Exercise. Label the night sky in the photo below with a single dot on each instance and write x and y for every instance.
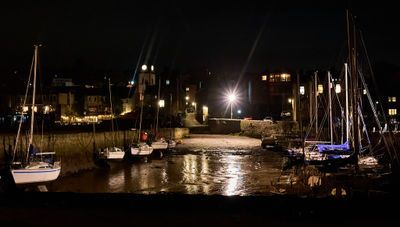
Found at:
(227, 36)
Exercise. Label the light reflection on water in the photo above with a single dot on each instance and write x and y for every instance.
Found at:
(116, 181)
(235, 178)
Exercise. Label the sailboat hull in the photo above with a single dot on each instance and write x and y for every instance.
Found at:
(159, 145)
(113, 153)
(141, 150)
(26, 176)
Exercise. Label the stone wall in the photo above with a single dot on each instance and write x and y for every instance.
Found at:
(223, 125)
(252, 128)
(76, 150)
(256, 128)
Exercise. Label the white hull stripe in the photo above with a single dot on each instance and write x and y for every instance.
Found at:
(46, 171)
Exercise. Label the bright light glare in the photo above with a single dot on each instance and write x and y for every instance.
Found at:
(144, 67)
(231, 98)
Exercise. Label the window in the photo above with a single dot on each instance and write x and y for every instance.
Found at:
(167, 82)
(187, 89)
(320, 89)
(338, 88)
(274, 78)
(392, 112)
(264, 77)
(302, 91)
(285, 77)
(392, 99)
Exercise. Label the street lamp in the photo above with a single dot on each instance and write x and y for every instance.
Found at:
(231, 99)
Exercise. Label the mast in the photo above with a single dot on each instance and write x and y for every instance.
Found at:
(347, 101)
(141, 99)
(158, 104)
(111, 108)
(316, 103)
(353, 82)
(330, 106)
(33, 102)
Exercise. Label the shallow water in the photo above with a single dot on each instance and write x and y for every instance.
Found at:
(227, 172)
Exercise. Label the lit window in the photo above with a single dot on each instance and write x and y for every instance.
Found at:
(187, 97)
(320, 89)
(161, 103)
(392, 99)
(274, 78)
(285, 77)
(167, 82)
(302, 91)
(264, 77)
(338, 88)
(392, 112)
(364, 91)
(290, 100)
(187, 89)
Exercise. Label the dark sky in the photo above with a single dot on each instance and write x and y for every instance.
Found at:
(218, 35)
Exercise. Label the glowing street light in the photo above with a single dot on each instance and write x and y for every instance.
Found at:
(231, 100)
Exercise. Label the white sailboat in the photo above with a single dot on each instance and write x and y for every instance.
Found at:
(140, 148)
(39, 166)
(113, 152)
(159, 143)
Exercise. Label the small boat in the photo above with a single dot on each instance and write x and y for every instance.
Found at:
(36, 172)
(160, 144)
(112, 153)
(141, 149)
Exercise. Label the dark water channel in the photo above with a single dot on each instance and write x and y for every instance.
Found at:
(225, 172)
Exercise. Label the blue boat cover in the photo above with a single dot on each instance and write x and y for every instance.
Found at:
(324, 147)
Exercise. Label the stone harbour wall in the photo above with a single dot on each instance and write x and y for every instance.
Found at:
(76, 150)
(256, 128)
(252, 128)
